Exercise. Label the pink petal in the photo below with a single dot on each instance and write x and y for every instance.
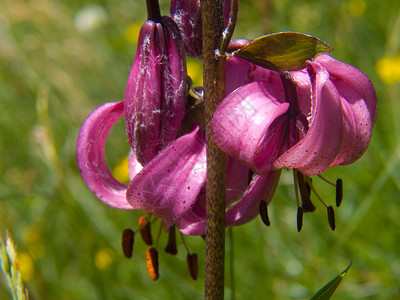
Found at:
(133, 164)
(242, 120)
(320, 146)
(243, 211)
(237, 70)
(240, 72)
(90, 155)
(262, 188)
(194, 223)
(359, 103)
(237, 179)
(169, 184)
(237, 175)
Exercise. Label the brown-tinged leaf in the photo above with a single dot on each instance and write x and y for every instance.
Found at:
(283, 51)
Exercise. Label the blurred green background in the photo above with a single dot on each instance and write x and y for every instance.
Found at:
(61, 59)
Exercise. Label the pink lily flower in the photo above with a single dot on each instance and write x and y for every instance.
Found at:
(171, 185)
(307, 120)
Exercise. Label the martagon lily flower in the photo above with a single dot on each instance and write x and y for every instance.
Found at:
(307, 120)
(171, 185)
(167, 173)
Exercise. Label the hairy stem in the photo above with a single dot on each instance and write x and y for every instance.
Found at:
(214, 87)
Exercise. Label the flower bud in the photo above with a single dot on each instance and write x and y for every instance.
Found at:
(187, 15)
(155, 95)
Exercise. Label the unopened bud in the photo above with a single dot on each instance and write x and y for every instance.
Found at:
(152, 263)
(145, 232)
(128, 238)
(193, 266)
(155, 96)
(187, 15)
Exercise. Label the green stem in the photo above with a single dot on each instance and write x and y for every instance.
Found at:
(214, 88)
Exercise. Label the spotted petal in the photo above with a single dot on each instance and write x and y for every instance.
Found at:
(243, 119)
(169, 184)
(358, 99)
(320, 146)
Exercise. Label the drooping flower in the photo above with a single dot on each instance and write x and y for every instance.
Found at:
(167, 173)
(172, 185)
(307, 120)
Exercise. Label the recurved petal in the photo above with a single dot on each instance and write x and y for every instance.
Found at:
(133, 165)
(90, 155)
(170, 183)
(320, 146)
(194, 223)
(243, 119)
(359, 103)
(261, 188)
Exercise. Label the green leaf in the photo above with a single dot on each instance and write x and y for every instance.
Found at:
(327, 290)
(283, 51)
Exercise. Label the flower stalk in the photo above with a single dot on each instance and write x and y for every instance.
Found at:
(214, 87)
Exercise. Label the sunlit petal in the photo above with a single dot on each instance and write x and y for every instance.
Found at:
(90, 155)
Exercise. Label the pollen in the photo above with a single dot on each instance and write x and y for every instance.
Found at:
(145, 231)
(152, 263)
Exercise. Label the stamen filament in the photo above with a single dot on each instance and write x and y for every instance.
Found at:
(326, 180)
(184, 243)
(306, 203)
(159, 234)
(296, 187)
(315, 192)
